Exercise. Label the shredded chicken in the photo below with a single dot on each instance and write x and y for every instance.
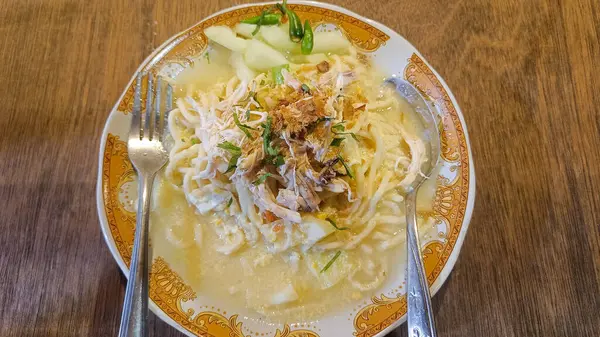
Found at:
(291, 200)
(263, 197)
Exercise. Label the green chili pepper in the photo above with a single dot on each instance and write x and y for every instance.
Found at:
(267, 19)
(307, 39)
(259, 23)
(296, 31)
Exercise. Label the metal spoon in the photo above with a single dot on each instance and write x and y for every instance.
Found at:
(420, 315)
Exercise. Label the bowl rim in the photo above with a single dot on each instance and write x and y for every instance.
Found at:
(159, 52)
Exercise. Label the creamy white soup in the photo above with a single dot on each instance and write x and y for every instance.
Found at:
(284, 189)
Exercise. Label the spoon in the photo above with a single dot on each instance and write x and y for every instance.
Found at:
(420, 315)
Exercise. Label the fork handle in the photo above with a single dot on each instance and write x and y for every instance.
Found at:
(420, 315)
(135, 309)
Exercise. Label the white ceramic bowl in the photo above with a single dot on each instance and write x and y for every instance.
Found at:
(174, 301)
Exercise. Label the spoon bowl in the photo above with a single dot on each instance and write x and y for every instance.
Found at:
(426, 114)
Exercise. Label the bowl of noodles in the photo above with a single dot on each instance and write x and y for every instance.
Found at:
(281, 210)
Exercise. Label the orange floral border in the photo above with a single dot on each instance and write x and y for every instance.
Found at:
(116, 164)
(420, 75)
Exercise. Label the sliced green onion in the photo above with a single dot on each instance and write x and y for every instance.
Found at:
(236, 153)
(233, 162)
(348, 133)
(337, 141)
(328, 265)
(252, 94)
(348, 171)
(336, 226)
(229, 202)
(243, 127)
(338, 127)
(230, 147)
(278, 161)
(262, 178)
(266, 134)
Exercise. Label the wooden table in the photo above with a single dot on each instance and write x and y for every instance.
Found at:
(524, 72)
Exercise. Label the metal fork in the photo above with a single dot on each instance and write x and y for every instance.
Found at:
(148, 155)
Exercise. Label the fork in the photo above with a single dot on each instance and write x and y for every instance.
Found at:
(147, 153)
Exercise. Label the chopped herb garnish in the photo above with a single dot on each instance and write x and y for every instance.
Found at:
(243, 127)
(272, 155)
(305, 88)
(229, 202)
(236, 153)
(207, 57)
(233, 162)
(272, 151)
(328, 265)
(278, 161)
(336, 226)
(348, 133)
(195, 141)
(230, 147)
(277, 75)
(248, 114)
(252, 94)
(348, 171)
(262, 179)
(337, 141)
(338, 127)
(266, 134)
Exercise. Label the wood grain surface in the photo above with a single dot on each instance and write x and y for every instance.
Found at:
(525, 73)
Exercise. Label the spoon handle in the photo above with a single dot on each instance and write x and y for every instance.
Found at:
(420, 315)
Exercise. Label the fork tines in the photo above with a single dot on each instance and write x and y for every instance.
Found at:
(151, 124)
